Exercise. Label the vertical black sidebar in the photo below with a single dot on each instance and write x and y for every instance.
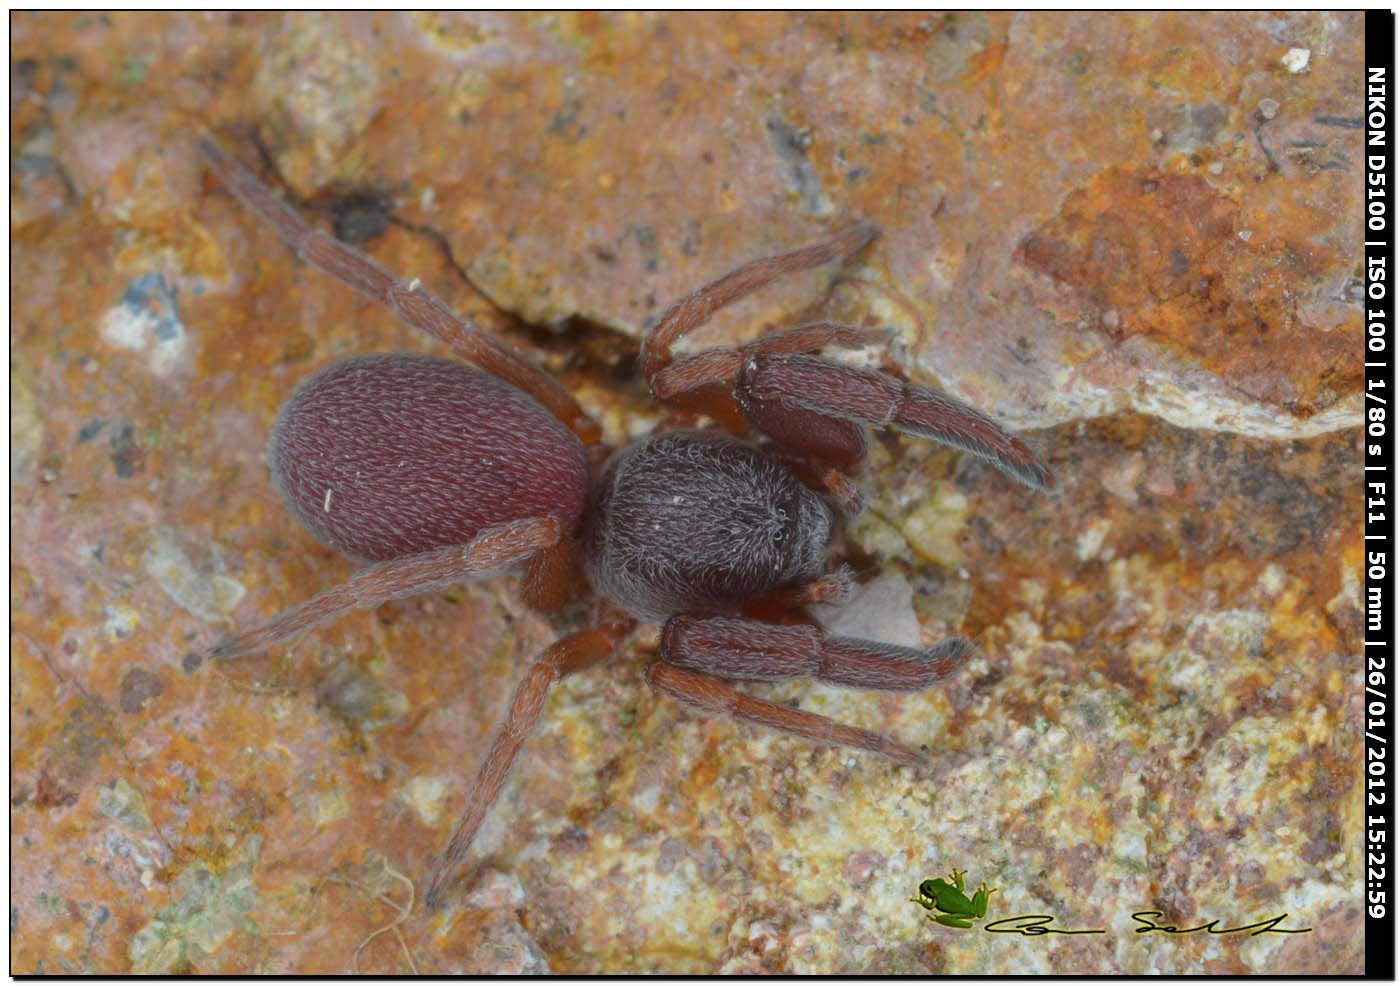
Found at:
(1379, 401)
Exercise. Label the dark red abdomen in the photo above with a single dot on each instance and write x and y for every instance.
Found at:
(391, 455)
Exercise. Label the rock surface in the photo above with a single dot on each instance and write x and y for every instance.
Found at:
(1136, 233)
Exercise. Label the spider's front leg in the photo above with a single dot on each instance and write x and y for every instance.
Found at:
(703, 383)
(694, 310)
(414, 305)
(807, 405)
(870, 398)
(697, 652)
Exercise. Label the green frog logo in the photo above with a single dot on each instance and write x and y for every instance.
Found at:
(955, 909)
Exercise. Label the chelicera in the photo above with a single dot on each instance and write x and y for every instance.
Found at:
(433, 472)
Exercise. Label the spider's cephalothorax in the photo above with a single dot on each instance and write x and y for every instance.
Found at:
(699, 522)
(438, 473)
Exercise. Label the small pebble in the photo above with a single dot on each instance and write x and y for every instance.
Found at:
(1268, 108)
(139, 688)
(1296, 60)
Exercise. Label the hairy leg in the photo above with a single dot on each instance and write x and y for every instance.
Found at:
(490, 553)
(554, 577)
(416, 307)
(719, 367)
(788, 606)
(753, 651)
(572, 653)
(806, 435)
(705, 383)
(880, 401)
(692, 311)
(708, 694)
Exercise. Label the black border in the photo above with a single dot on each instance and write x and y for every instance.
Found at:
(1378, 699)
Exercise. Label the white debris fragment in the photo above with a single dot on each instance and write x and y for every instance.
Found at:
(147, 320)
(1296, 60)
(1090, 542)
(496, 890)
(201, 588)
(120, 621)
(130, 328)
(882, 610)
(426, 796)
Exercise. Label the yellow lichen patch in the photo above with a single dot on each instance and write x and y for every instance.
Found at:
(124, 803)
(1185, 69)
(329, 807)
(120, 622)
(935, 528)
(311, 124)
(26, 426)
(209, 909)
(1296, 617)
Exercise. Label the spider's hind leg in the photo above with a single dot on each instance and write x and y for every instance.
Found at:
(708, 694)
(564, 657)
(490, 553)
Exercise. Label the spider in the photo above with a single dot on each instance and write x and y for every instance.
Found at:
(433, 472)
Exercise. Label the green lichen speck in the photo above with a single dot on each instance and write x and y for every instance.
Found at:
(208, 909)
